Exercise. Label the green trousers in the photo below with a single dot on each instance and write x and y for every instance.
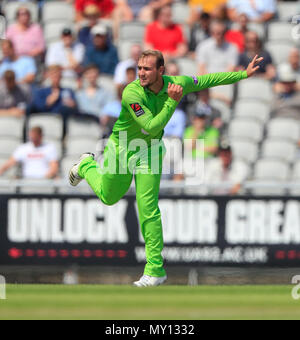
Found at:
(111, 182)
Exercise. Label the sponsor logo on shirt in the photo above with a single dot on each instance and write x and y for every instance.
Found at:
(137, 109)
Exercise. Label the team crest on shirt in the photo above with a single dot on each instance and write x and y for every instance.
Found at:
(137, 109)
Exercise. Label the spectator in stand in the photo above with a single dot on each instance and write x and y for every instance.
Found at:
(102, 53)
(287, 101)
(105, 7)
(166, 36)
(91, 98)
(92, 15)
(215, 8)
(223, 170)
(120, 73)
(256, 10)
(216, 54)
(254, 47)
(67, 53)
(54, 98)
(294, 61)
(23, 67)
(238, 36)
(13, 98)
(201, 130)
(27, 37)
(39, 160)
(200, 31)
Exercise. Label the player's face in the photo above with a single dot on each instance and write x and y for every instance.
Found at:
(148, 72)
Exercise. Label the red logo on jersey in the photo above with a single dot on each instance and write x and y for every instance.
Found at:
(137, 109)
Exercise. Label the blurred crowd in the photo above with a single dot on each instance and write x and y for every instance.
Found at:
(82, 74)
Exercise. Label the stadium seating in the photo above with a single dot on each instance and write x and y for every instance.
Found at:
(51, 124)
(244, 149)
(124, 47)
(223, 108)
(280, 31)
(284, 128)
(78, 145)
(11, 173)
(53, 30)
(12, 127)
(132, 31)
(58, 10)
(10, 9)
(108, 84)
(84, 127)
(8, 145)
(187, 66)
(245, 128)
(279, 50)
(287, 10)
(252, 109)
(181, 12)
(255, 89)
(279, 149)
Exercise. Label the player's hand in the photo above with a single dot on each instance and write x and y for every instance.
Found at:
(175, 92)
(253, 66)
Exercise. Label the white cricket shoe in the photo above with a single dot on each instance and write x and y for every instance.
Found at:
(150, 281)
(74, 177)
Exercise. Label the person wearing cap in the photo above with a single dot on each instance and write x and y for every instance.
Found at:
(67, 53)
(224, 170)
(102, 53)
(201, 129)
(254, 46)
(27, 37)
(13, 97)
(287, 91)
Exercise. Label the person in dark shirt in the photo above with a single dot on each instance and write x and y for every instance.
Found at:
(254, 47)
(102, 53)
(54, 99)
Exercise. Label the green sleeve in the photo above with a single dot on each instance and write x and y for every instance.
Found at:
(195, 84)
(143, 116)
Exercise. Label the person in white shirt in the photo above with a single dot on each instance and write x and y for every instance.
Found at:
(67, 53)
(39, 160)
(120, 77)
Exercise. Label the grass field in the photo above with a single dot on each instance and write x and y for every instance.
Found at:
(162, 303)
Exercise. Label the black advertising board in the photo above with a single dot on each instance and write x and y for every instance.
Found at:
(221, 231)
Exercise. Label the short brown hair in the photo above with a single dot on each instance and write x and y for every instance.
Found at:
(160, 61)
(37, 129)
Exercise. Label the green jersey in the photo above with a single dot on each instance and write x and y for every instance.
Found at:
(145, 114)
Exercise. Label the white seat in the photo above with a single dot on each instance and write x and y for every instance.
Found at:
(279, 149)
(108, 84)
(10, 10)
(187, 66)
(180, 12)
(286, 10)
(252, 109)
(11, 127)
(255, 88)
(8, 146)
(77, 146)
(53, 30)
(223, 108)
(84, 128)
(132, 31)
(226, 91)
(284, 128)
(279, 50)
(244, 149)
(267, 170)
(258, 28)
(246, 128)
(58, 10)
(51, 124)
(280, 31)
(124, 48)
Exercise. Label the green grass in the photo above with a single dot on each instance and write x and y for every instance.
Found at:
(165, 303)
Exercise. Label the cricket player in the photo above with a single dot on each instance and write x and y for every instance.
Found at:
(147, 106)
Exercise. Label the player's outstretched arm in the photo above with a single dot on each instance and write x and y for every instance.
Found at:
(253, 66)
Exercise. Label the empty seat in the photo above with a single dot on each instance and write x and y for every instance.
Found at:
(281, 149)
(84, 127)
(280, 31)
(258, 28)
(284, 128)
(10, 10)
(246, 128)
(225, 92)
(8, 146)
(286, 10)
(53, 30)
(181, 12)
(108, 84)
(244, 149)
(270, 170)
(52, 125)
(12, 127)
(255, 88)
(124, 48)
(223, 108)
(252, 109)
(133, 31)
(77, 146)
(58, 10)
(187, 66)
(279, 50)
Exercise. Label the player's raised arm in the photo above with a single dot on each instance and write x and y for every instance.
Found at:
(195, 84)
